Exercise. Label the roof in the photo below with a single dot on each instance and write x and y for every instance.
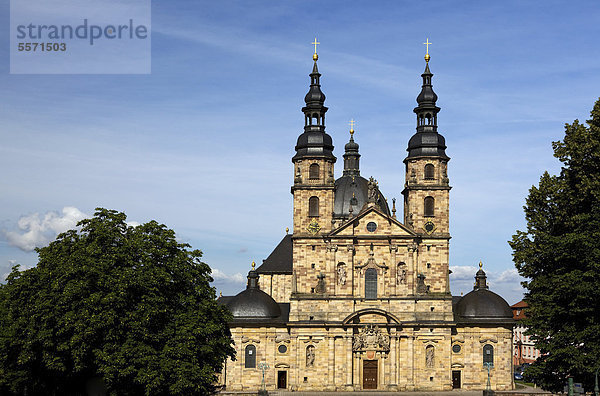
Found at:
(282, 319)
(520, 304)
(354, 191)
(482, 306)
(280, 259)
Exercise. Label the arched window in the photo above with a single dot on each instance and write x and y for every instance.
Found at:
(313, 207)
(371, 283)
(429, 170)
(488, 354)
(313, 171)
(429, 205)
(250, 358)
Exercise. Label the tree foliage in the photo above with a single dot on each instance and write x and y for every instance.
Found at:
(128, 306)
(559, 254)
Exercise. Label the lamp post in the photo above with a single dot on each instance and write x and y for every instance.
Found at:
(488, 387)
(596, 390)
(263, 367)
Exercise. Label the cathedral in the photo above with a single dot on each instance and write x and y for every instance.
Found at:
(356, 297)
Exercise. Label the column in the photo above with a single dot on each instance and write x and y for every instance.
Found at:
(349, 366)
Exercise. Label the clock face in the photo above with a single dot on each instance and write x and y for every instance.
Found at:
(429, 227)
(314, 227)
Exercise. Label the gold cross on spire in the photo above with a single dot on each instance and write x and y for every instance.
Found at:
(352, 122)
(315, 56)
(427, 43)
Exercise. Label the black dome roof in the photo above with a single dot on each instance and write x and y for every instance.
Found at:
(353, 191)
(253, 303)
(427, 144)
(482, 305)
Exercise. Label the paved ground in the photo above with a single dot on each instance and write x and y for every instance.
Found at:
(456, 392)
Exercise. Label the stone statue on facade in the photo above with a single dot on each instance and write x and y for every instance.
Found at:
(373, 189)
(341, 272)
(401, 274)
(320, 284)
(310, 356)
(429, 356)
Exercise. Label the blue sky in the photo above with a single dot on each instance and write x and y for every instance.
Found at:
(203, 143)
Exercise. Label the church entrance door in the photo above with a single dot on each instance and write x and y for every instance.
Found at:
(281, 379)
(455, 379)
(369, 374)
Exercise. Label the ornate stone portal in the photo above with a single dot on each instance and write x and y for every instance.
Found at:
(370, 337)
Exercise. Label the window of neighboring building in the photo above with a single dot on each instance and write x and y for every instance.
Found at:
(250, 361)
(313, 207)
(429, 172)
(488, 354)
(313, 171)
(371, 283)
(429, 206)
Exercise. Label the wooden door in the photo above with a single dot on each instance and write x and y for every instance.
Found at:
(282, 379)
(455, 379)
(369, 374)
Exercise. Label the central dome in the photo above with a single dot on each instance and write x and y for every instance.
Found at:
(353, 191)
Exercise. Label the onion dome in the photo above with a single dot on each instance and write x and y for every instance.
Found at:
(482, 305)
(352, 190)
(427, 142)
(314, 142)
(253, 303)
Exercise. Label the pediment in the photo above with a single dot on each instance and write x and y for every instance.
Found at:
(385, 225)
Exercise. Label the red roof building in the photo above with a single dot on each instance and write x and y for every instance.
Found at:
(524, 350)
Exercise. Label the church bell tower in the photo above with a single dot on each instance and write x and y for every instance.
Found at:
(426, 189)
(314, 182)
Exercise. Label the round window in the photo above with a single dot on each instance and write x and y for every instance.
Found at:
(371, 226)
(456, 348)
(282, 349)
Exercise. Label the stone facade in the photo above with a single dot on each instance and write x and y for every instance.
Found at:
(365, 298)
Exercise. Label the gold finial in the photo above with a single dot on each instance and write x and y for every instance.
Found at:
(253, 265)
(287, 229)
(480, 264)
(220, 294)
(315, 43)
(352, 122)
(427, 43)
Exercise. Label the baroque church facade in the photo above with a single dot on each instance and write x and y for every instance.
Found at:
(357, 297)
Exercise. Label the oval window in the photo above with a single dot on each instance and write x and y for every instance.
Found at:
(282, 349)
(371, 226)
(456, 348)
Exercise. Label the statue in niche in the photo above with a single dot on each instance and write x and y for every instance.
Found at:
(421, 287)
(401, 274)
(429, 356)
(310, 356)
(298, 175)
(341, 273)
(320, 284)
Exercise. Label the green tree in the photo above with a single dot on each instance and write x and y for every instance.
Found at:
(127, 306)
(559, 254)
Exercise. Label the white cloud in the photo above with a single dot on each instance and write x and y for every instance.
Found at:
(35, 231)
(221, 277)
(462, 272)
(509, 276)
